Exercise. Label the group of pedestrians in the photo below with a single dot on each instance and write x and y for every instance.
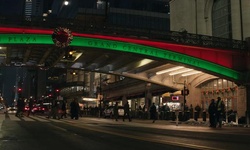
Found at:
(58, 110)
(153, 112)
(126, 112)
(216, 112)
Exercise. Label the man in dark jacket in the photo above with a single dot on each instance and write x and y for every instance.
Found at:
(153, 112)
(220, 110)
(212, 113)
(126, 111)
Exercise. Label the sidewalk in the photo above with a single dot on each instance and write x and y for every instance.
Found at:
(190, 122)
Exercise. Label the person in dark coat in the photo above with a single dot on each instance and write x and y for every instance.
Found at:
(63, 108)
(116, 111)
(20, 107)
(153, 112)
(220, 111)
(212, 113)
(126, 111)
(74, 109)
(31, 103)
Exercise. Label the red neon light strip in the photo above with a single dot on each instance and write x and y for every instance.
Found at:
(208, 54)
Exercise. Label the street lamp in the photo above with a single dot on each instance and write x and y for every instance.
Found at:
(66, 3)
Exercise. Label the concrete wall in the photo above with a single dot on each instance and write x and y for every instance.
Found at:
(192, 15)
(185, 15)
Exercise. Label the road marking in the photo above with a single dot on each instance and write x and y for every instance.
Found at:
(173, 143)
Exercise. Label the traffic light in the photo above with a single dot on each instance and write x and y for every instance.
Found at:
(19, 92)
(57, 90)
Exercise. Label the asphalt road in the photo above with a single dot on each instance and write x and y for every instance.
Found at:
(40, 133)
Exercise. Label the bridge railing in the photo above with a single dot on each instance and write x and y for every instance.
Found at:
(102, 27)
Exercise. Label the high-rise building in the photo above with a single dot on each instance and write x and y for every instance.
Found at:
(33, 8)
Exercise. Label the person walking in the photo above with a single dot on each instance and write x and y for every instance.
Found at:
(63, 109)
(212, 113)
(116, 111)
(20, 107)
(31, 103)
(54, 110)
(220, 110)
(197, 112)
(126, 111)
(153, 112)
(74, 109)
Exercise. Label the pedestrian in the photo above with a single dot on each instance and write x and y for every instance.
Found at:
(116, 111)
(74, 109)
(20, 107)
(31, 103)
(153, 112)
(197, 112)
(212, 113)
(191, 110)
(54, 112)
(126, 111)
(140, 113)
(220, 111)
(63, 109)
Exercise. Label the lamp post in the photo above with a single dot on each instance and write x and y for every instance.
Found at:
(100, 96)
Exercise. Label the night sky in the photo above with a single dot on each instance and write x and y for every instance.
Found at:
(11, 7)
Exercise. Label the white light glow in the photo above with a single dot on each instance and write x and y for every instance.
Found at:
(169, 70)
(180, 71)
(66, 3)
(89, 99)
(144, 62)
(190, 73)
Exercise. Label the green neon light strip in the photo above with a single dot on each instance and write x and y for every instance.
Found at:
(124, 47)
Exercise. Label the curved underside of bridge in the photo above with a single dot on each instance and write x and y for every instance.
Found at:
(130, 57)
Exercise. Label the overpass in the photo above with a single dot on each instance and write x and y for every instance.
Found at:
(136, 57)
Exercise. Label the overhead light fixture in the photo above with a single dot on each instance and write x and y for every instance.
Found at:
(191, 73)
(180, 71)
(169, 70)
(144, 62)
(89, 99)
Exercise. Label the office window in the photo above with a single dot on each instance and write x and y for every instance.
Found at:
(221, 19)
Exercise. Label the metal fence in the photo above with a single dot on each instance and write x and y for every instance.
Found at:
(105, 28)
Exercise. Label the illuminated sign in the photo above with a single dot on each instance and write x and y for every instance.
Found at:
(125, 47)
(175, 98)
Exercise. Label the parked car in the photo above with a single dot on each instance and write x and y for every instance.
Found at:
(109, 111)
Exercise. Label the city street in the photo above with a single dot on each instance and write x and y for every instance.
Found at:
(40, 133)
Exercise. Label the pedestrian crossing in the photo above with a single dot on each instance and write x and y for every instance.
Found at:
(33, 118)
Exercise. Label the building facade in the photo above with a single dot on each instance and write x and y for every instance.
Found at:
(219, 18)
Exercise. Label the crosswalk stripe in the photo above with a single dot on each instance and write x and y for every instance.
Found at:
(38, 118)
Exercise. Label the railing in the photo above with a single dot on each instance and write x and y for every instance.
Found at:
(111, 29)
